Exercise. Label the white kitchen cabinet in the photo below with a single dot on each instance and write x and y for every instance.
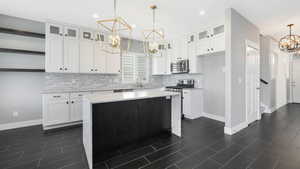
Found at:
(86, 51)
(99, 55)
(62, 49)
(71, 49)
(113, 63)
(92, 57)
(64, 109)
(54, 48)
(76, 106)
(211, 40)
(192, 103)
(218, 39)
(55, 109)
(158, 65)
(161, 62)
(204, 43)
(180, 49)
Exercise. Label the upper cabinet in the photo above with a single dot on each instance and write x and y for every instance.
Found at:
(211, 40)
(73, 50)
(161, 62)
(62, 48)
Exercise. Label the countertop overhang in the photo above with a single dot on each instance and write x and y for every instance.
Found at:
(124, 96)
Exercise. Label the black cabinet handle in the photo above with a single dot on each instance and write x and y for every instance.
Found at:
(67, 102)
(72, 102)
(96, 69)
(66, 68)
(92, 70)
(60, 68)
(207, 49)
(212, 49)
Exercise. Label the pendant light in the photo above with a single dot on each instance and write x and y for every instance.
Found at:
(153, 36)
(115, 26)
(290, 43)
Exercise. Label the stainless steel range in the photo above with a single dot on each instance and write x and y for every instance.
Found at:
(182, 84)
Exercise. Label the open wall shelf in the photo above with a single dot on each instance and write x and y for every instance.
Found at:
(19, 51)
(22, 33)
(20, 70)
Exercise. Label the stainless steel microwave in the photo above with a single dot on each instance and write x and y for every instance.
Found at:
(181, 66)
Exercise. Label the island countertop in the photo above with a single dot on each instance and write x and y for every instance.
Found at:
(124, 96)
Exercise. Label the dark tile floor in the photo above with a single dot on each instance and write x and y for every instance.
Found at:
(272, 143)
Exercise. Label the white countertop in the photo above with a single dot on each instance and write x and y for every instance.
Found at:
(123, 96)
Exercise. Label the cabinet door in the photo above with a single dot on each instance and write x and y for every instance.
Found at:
(187, 103)
(218, 39)
(76, 110)
(57, 112)
(204, 43)
(113, 63)
(169, 55)
(71, 50)
(86, 57)
(99, 55)
(158, 65)
(54, 48)
(218, 43)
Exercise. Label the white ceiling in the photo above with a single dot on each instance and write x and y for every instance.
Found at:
(175, 16)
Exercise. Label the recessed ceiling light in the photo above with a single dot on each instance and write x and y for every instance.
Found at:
(133, 25)
(202, 12)
(95, 15)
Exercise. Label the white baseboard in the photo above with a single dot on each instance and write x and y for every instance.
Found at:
(20, 124)
(61, 125)
(191, 117)
(214, 117)
(237, 128)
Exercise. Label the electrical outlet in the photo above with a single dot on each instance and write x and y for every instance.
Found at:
(15, 114)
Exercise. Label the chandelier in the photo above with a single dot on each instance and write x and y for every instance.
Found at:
(115, 26)
(153, 36)
(290, 43)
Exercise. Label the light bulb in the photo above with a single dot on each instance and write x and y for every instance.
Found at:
(153, 47)
(114, 41)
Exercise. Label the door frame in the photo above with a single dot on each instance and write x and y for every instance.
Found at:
(255, 46)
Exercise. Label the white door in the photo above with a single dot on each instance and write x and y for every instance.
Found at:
(99, 58)
(54, 48)
(76, 110)
(203, 43)
(252, 82)
(218, 43)
(57, 112)
(86, 52)
(296, 79)
(187, 103)
(113, 63)
(158, 65)
(71, 50)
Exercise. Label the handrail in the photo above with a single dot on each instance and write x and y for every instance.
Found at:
(263, 81)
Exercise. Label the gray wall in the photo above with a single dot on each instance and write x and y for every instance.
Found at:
(238, 29)
(20, 92)
(273, 94)
(214, 84)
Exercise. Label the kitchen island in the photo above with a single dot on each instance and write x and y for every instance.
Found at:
(111, 121)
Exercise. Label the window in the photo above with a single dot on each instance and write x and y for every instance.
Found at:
(134, 68)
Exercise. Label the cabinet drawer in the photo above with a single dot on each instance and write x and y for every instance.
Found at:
(57, 96)
(78, 95)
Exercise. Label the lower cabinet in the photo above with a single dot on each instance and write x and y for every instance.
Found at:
(63, 109)
(192, 103)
